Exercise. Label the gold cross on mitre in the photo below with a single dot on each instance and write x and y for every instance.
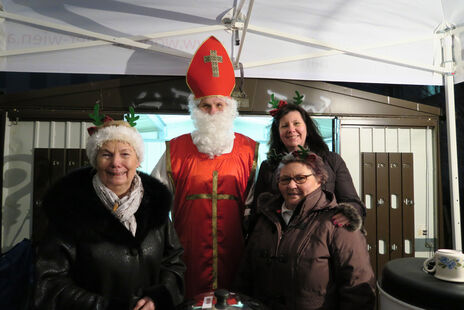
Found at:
(214, 59)
(203, 76)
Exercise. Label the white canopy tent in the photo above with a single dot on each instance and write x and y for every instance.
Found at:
(398, 41)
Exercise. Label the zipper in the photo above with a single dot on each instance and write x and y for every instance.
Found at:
(307, 236)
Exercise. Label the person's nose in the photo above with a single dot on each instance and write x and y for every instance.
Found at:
(116, 161)
(292, 184)
(213, 110)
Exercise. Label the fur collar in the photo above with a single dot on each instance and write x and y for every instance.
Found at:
(350, 212)
(73, 208)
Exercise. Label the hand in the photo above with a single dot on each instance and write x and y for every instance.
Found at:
(339, 220)
(146, 303)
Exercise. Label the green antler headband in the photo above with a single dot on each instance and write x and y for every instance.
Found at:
(277, 105)
(100, 118)
(298, 99)
(96, 116)
(131, 117)
(302, 152)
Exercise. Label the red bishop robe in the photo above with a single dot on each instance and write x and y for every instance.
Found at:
(208, 208)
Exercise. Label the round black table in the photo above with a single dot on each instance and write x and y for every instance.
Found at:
(405, 280)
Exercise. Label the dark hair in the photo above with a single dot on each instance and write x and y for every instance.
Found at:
(311, 160)
(313, 138)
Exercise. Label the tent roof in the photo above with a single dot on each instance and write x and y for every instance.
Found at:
(375, 41)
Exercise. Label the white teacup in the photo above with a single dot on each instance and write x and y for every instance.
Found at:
(449, 265)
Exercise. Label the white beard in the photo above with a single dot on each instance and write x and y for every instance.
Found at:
(213, 134)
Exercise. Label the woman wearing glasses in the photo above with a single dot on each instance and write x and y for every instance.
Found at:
(296, 258)
(292, 127)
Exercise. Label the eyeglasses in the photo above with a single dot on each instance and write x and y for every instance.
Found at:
(299, 179)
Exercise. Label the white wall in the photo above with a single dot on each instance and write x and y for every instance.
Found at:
(357, 139)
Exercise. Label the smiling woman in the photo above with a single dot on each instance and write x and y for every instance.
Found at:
(292, 130)
(314, 263)
(293, 127)
(116, 166)
(110, 244)
(296, 181)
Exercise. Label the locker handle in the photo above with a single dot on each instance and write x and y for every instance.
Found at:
(407, 246)
(394, 201)
(368, 201)
(381, 247)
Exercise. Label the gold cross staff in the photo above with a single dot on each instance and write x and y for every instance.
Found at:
(214, 59)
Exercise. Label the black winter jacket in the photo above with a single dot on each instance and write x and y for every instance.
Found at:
(89, 260)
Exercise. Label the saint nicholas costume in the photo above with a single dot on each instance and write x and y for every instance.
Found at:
(209, 191)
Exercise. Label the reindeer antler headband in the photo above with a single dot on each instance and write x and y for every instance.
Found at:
(277, 105)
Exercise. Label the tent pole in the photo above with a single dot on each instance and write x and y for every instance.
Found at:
(244, 30)
(95, 35)
(448, 82)
(341, 49)
(152, 36)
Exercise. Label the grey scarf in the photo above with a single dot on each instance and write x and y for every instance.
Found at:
(126, 206)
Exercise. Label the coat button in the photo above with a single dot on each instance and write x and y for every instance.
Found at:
(134, 252)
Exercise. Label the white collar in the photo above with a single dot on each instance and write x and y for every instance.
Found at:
(285, 209)
(286, 213)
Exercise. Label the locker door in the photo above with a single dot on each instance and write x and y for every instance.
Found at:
(408, 204)
(58, 167)
(383, 212)
(369, 198)
(41, 183)
(396, 227)
(73, 158)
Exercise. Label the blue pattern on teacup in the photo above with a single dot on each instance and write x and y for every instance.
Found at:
(445, 262)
